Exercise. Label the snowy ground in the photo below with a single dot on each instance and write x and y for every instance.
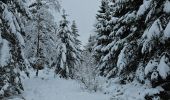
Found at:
(50, 88)
(57, 89)
(46, 87)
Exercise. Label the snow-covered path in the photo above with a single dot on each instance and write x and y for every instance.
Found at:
(57, 89)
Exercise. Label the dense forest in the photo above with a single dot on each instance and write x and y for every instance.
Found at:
(127, 57)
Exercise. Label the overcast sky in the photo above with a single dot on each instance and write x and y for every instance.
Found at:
(83, 12)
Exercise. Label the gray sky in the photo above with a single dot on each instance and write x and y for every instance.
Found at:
(83, 11)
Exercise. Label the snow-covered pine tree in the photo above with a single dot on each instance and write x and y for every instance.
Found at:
(13, 14)
(155, 43)
(77, 44)
(91, 43)
(42, 29)
(123, 48)
(74, 31)
(140, 43)
(103, 28)
(67, 49)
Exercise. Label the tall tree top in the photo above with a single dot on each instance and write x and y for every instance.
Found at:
(64, 22)
(74, 29)
(64, 15)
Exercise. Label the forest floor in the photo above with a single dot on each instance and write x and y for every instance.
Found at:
(50, 88)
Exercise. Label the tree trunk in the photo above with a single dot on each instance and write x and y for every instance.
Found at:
(37, 72)
(38, 38)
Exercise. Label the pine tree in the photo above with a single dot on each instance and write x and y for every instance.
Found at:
(136, 42)
(124, 35)
(154, 42)
(140, 42)
(68, 50)
(77, 42)
(12, 45)
(74, 31)
(91, 43)
(103, 30)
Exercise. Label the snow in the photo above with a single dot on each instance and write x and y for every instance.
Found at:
(106, 58)
(167, 6)
(16, 99)
(50, 88)
(62, 64)
(5, 87)
(38, 89)
(114, 19)
(103, 37)
(98, 47)
(150, 66)
(143, 8)
(163, 68)
(64, 56)
(155, 31)
(128, 17)
(5, 53)
(8, 16)
(120, 31)
(167, 30)
(13, 24)
(122, 59)
(154, 76)
(132, 91)
(140, 74)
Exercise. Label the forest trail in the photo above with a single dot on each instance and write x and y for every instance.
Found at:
(57, 89)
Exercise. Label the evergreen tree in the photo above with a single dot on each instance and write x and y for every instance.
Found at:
(124, 35)
(68, 52)
(13, 14)
(103, 29)
(139, 43)
(74, 31)
(76, 42)
(91, 43)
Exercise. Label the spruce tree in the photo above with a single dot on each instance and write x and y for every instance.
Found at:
(103, 29)
(68, 49)
(74, 31)
(77, 42)
(140, 42)
(12, 59)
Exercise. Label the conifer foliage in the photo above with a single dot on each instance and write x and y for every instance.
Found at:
(103, 28)
(135, 47)
(12, 59)
(68, 50)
